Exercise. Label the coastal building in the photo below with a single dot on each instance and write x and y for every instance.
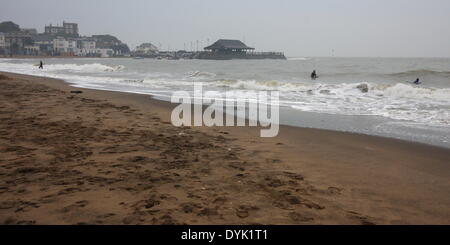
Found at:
(225, 49)
(86, 47)
(2, 40)
(66, 29)
(105, 52)
(43, 39)
(31, 31)
(31, 49)
(45, 43)
(146, 50)
(3, 47)
(109, 42)
(16, 41)
(228, 46)
(65, 46)
(59, 40)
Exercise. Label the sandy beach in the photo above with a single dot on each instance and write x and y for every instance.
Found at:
(100, 157)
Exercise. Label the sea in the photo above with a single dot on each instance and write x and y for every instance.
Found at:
(373, 96)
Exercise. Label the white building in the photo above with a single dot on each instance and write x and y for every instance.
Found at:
(2, 40)
(62, 45)
(3, 45)
(86, 47)
(32, 49)
(105, 52)
(80, 47)
(65, 29)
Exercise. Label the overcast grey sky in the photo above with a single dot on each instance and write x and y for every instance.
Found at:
(393, 28)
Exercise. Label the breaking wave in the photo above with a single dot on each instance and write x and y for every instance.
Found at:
(391, 90)
(398, 101)
(95, 67)
(421, 72)
(199, 74)
(298, 58)
(402, 101)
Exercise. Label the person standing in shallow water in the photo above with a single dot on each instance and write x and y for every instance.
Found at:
(314, 75)
(41, 65)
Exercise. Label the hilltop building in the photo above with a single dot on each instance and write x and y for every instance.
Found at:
(111, 45)
(66, 29)
(31, 31)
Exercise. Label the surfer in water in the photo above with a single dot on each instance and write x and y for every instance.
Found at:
(417, 82)
(41, 65)
(314, 75)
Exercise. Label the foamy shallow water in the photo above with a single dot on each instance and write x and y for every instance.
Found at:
(391, 107)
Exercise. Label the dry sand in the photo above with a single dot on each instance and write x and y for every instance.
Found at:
(100, 157)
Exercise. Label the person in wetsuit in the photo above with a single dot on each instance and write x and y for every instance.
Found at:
(41, 65)
(314, 75)
(417, 81)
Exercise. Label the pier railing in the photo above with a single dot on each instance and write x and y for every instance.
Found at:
(265, 53)
(239, 55)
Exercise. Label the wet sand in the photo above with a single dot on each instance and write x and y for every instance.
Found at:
(101, 157)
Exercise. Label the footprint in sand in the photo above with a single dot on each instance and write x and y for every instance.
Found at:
(299, 218)
(76, 205)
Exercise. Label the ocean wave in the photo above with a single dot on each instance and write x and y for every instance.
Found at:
(264, 85)
(401, 90)
(95, 67)
(400, 101)
(200, 74)
(391, 90)
(420, 73)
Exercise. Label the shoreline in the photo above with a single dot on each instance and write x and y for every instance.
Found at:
(287, 123)
(52, 57)
(303, 176)
(334, 119)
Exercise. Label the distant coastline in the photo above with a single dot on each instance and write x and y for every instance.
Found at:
(53, 57)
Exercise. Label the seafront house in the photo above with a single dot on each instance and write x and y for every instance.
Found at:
(65, 47)
(45, 43)
(86, 47)
(31, 49)
(15, 42)
(2, 43)
(105, 52)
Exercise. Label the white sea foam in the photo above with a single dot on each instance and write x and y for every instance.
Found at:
(298, 58)
(199, 74)
(95, 67)
(397, 101)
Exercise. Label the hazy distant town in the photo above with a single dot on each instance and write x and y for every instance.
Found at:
(65, 41)
(58, 40)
